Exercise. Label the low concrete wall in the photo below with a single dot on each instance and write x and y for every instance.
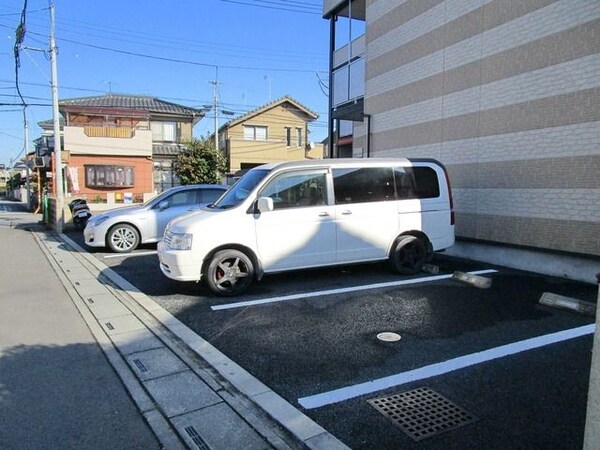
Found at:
(559, 265)
(111, 202)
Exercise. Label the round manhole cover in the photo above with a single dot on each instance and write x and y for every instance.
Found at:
(389, 337)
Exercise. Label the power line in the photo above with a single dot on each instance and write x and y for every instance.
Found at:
(183, 61)
(111, 32)
(278, 8)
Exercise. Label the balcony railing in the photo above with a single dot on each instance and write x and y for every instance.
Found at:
(349, 72)
(109, 132)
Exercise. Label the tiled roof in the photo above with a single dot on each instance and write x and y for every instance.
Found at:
(139, 102)
(166, 149)
(49, 124)
(285, 99)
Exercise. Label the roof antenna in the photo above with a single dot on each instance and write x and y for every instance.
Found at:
(109, 86)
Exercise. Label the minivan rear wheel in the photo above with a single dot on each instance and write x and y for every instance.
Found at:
(409, 255)
(230, 272)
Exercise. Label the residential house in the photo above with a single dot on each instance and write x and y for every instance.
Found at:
(505, 94)
(120, 147)
(277, 131)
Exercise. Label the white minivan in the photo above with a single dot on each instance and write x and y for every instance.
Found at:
(312, 213)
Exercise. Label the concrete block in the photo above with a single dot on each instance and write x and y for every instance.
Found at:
(155, 363)
(569, 303)
(136, 341)
(472, 280)
(181, 393)
(217, 427)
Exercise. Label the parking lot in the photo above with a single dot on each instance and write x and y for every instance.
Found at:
(515, 371)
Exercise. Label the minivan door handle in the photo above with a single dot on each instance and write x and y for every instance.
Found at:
(324, 214)
(347, 212)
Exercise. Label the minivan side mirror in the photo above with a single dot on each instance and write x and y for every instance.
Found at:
(264, 204)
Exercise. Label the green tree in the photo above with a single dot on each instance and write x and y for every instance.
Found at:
(199, 163)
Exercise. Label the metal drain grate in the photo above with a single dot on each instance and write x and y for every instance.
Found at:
(196, 438)
(422, 412)
(140, 365)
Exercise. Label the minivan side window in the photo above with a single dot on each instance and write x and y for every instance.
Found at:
(297, 189)
(366, 184)
(416, 182)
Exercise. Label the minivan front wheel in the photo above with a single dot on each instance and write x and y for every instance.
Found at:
(409, 255)
(229, 272)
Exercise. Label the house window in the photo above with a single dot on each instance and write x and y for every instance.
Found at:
(299, 137)
(288, 136)
(164, 131)
(108, 176)
(255, 133)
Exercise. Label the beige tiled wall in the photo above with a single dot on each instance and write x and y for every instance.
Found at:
(507, 95)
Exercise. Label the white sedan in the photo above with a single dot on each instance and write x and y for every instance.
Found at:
(123, 229)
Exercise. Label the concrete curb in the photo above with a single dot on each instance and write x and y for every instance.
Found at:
(303, 429)
(159, 425)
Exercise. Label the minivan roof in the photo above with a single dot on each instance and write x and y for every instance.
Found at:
(344, 162)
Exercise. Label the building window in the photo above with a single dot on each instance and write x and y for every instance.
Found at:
(288, 136)
(108, 176)
(164, 131)
(298, 137)
(164, 177)
(255, 133)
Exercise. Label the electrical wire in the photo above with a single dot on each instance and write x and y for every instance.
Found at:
(278, 8)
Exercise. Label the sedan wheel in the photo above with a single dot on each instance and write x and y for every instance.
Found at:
(230, 272)
(123, 238)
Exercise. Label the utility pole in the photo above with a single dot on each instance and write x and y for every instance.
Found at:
(215, 84)
(26, 137)
(58, 178)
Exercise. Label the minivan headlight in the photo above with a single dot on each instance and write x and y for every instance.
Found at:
(180, 241)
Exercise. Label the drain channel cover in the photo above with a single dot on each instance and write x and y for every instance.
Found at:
(422, 412)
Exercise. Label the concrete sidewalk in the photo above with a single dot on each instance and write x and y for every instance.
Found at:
(57, 389)
(89, 361)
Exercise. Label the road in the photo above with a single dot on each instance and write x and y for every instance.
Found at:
(314, 342)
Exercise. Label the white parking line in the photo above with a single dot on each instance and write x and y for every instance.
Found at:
(346, 393)
(128, 255)
(341, 290)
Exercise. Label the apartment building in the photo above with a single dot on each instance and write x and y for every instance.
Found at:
(505, 93)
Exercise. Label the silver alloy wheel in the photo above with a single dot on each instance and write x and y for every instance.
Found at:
(123, 238)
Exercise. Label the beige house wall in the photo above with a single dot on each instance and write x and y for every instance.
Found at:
(274, 148)
(77, 143)
(185, 131)
(507, 96)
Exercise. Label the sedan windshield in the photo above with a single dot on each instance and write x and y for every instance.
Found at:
(240, 190)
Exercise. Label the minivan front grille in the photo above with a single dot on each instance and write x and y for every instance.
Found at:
(168, 236)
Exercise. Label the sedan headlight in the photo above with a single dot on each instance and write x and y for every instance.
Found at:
(179, 241)
(95, 221)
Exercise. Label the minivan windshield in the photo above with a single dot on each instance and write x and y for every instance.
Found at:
(240, 191)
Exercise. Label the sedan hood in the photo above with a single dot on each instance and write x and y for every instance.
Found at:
(115, 212)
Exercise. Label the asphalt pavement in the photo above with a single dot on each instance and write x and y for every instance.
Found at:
(90, 359)
(87, 361)
(57, 389)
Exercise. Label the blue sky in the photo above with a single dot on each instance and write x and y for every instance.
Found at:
(264, 49)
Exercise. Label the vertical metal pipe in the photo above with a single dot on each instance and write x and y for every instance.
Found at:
(331, 86)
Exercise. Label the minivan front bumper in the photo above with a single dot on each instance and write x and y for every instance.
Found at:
(178, 265)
